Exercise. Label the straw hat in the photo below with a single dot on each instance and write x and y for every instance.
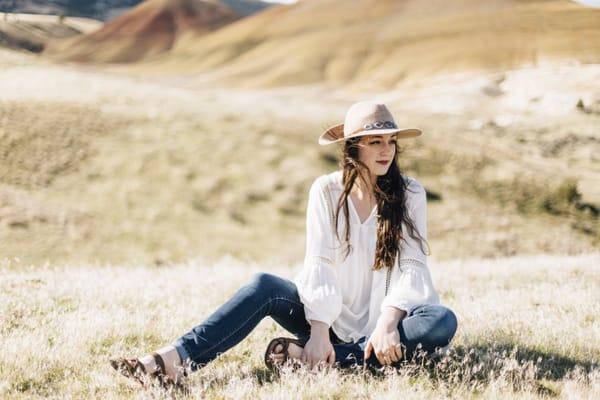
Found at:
(366, 118)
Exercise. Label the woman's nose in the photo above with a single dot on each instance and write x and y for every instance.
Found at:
(389, 150)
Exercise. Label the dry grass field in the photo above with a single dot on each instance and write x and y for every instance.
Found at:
(528, 329)
(111, 167)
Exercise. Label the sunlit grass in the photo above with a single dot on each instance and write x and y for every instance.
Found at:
(527, 329)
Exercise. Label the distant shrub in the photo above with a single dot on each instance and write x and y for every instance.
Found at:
(530, 196)
(562, 199)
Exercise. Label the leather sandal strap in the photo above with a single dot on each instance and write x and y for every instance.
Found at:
(160, 362)
(285, 343)
(140, 365)
(271, 349)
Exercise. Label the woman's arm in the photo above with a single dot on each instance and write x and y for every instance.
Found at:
(317, 283)
(318, 349)
(319, 328)
(391, 316)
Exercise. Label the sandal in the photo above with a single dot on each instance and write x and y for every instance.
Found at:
(133, 368)
(285, 342)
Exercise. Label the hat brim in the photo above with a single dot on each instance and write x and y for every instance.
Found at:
(335, 133)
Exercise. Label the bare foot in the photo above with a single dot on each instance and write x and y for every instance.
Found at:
(294, 352)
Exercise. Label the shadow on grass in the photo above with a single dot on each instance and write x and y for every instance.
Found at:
(475, 367)
(521, 368)
(549, 365)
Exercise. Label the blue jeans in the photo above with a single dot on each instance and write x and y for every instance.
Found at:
(270, 295)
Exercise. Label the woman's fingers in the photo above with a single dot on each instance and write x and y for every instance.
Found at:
(398, 352)
(381, 357)
(393, 354)
(304, 357)
(331, 358)
(312, 361)
(316, 364)
(368, 349)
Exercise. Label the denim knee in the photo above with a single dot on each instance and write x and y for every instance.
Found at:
(441, 323)
(451, 321)
(446, 322)
(264, 282)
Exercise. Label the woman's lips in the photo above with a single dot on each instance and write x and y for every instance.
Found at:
(382, 162)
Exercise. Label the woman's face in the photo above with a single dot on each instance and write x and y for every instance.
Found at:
(375, 148)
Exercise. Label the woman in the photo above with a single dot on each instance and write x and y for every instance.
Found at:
(342, 306)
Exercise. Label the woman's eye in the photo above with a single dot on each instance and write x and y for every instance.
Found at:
(377, 142)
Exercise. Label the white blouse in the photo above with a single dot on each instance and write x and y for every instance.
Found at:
(347, 294)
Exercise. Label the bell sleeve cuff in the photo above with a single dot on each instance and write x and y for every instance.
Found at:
(412, 289)
(317, 282)
(319, 292)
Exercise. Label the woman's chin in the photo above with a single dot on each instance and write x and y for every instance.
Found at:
(381, 170)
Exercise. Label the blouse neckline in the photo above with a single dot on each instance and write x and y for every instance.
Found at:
(354, 210)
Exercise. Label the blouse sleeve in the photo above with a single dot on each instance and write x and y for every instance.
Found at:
(414, 286)
(317, 282)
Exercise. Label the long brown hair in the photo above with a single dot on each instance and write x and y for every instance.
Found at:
(390, 195)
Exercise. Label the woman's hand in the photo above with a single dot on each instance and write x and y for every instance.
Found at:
(385, 339)
(318, 349)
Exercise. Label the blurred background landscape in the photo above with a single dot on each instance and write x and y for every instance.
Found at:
(164, 130)
(136, 135)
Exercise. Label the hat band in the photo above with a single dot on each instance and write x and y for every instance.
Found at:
(375, 125)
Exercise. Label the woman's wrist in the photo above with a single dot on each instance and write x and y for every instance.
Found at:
(391, 317)
(318, 328)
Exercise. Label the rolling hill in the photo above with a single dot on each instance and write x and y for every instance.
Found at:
(383, 43)
(150, 28)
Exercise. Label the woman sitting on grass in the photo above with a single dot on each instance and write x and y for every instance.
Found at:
(364, 295)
